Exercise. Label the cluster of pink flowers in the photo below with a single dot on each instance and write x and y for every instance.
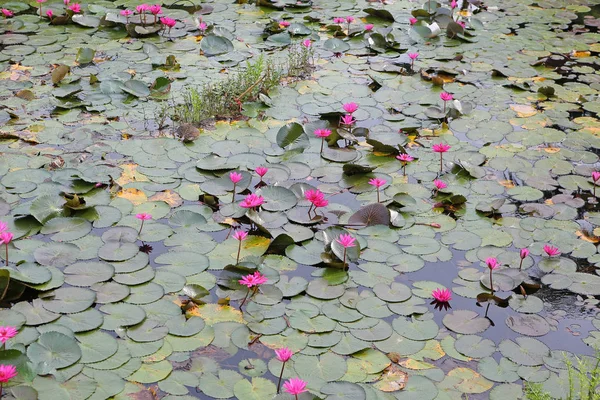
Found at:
(316, 198)
(7, 372)
(349, 119)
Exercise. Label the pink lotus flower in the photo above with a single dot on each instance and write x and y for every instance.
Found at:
(284, 24)
(322, 133)
(252, 201)
(377, 182)
(3, 226)
(155, 9)
(314, 195)
(168, 22)
(551, 251)
(440, 148)
(240, 235)
(350, 107)
(7, 372)
(445, 96)
(413, 56)
(453, 4)
(347, 119)
(595, 176)
(295, 386)
(261, 171)
(442, 295)
(492, 263)
(126, 13)
(49, 13)
(350, 19)
(413, 20)
(6, 237)
(143, 216)
(235, 177)
(306, 43)
(346, 240)
(284, 354)
(202, 26)
(141, 8)
(75, 7)
(339, 20)
(7, 13)
(7, 332)
(439, 185)
(253, 280)
(369, 27)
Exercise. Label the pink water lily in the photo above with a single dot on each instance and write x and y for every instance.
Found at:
(350, 20)
(441, 298)
(283, 355)
(595, 177)
(413, 57)
(7, 13)
(350, 107)
(347, 241)
(446, 97)
(239, 236)
(306, 43)
(7, 372)
(453, 4)
(5, 238)
(284, 24)
(66, 2)
(492, 264)
(462, 23)
(339, 20)
(252, 281)
(142, 8)
(75, 7)
(439, 185)
(155, 9)
(295, 386)
(49, 14)
(143, 217)
(7, 332)
(404, 158)
(322, 133)
(126, 13)
(40, 3)
(551, 251)
(347, 119)
(235, 177)
(316, 198)
(377, 182)
(369, 27)
(169, 23)
(261, 171)
(202, 26)
(440, 148)
(252, 201)
(523, 254)
(413, 20)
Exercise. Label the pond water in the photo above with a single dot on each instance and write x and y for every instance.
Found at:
(122, 129)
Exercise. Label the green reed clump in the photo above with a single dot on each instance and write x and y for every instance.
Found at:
(224, 99)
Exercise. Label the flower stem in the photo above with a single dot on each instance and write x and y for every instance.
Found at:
(280, 376)
(141, 226)
(444, 107)
(521, 264)
(6, 245)
(378, 196)
(322, 143)
(594, 189)
(296, 396)
(441, 162)
(237, 260)
(233, 194)
(245, 298)
(344, 256)
(404, 169)
(491, 282)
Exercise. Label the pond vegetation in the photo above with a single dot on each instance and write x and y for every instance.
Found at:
(299, 199)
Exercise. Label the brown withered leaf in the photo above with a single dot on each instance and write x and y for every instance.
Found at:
(59, 73)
